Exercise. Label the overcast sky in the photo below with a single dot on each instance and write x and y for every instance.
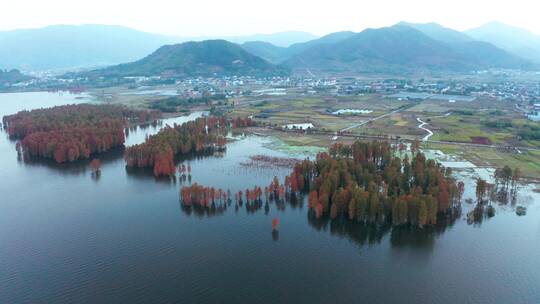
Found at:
(240, 17)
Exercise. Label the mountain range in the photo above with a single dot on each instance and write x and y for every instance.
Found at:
(204, 58)
(512, 39)
(402, 48)
(69, 47)
(280, 39)
(62, 47)
(276, 54)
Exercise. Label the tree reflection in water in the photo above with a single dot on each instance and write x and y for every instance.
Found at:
(373, 233)
(403, 236)
(202, 212)
(360, 233)
(411, 236)
(78, 167)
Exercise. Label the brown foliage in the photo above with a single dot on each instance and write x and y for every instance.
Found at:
(71, 132)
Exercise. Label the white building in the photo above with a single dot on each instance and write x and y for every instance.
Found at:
(300, 126)
(534, 117)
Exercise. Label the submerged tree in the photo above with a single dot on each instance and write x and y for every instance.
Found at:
(95, 165)
(506, 184)
(481, 190)
(366, 182)
(275, 224)
(71, 132)
(203, 135)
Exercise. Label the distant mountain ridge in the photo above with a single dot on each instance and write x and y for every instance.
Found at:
(68, 46)
(267, 51)
(439, 32)
(278, 55)
(327, 39)
(280, 39)
(205, 58)
(512, 39)
(402, 48)
(483, 53)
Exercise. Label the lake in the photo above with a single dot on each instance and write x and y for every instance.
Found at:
(124, 238)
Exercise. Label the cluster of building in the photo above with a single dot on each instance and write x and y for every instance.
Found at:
(469, 89)
(534, 113)
(458, 90)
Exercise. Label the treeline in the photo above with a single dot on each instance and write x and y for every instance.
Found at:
(71, 132)
(503, 190)
(177, 104)
(464, 112)
(202, 196)
(498, 123)
(205, 199)
(203, 135)
(529, 132)
(366, 182)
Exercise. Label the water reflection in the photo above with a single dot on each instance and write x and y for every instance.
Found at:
(146, 174)
(359, 233)
(134, 135)
(137, 134)
(363, 234)
(421, 238)
(96, 175)
(202, 212)
(275, 235)
(68, 240)
(78, 167)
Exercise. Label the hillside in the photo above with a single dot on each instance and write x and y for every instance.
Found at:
(8, 78)
(67, 46)
(280, 39)
(328, 39)
(400, 49)
(484, 54)
(438, 32)
(206, 58)
(267, 51)
(512, 39)
(276, 54)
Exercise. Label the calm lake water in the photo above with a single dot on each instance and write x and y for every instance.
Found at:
(68, 238)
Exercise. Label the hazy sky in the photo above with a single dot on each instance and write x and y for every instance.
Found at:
(238, 17)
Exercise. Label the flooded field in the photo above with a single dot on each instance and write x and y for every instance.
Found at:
(67, 237)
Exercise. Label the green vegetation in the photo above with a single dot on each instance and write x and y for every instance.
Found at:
(317, 110)
(530, 132)
(497, 123)
(10, 77)
(482, 127)
(180, 104)
(206, 58)
(464, 112)
(527, 161)
(402, 49)
(466, 123)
